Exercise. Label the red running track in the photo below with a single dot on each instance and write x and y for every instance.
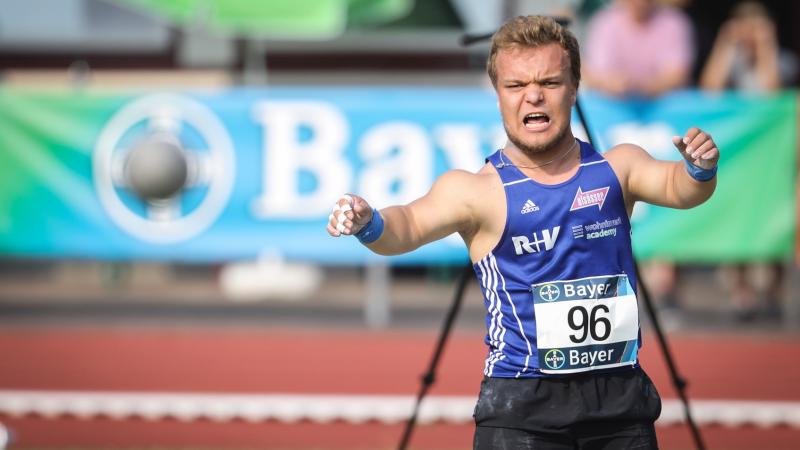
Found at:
(305, 361)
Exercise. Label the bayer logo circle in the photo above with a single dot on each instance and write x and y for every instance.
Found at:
(549, 292)
(554, 359)
(147, 133)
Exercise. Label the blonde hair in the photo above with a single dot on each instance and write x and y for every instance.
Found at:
(534, 31)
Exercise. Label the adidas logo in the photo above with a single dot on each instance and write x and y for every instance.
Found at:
(529, 207)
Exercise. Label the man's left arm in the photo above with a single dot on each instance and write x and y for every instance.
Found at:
(675, 184)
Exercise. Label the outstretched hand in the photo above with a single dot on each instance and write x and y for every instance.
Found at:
(697, 147)
(350, 214)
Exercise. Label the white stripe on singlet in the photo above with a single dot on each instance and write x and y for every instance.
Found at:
(500, 330)
(496, 330)
(514, 310)
(594, 162)
(522, 180)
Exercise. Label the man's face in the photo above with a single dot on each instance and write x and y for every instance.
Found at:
(536, 92)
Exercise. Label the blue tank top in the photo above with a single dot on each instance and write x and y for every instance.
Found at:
(559, 287)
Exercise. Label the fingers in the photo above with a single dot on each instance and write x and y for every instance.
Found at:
(677, 141)
(706, 156)
(332, 230)
(698, 148)
(709, 159)
(691, 135)
(360, 207)
(350, 213)
(701, 150)
(694, 140)
(341, 218)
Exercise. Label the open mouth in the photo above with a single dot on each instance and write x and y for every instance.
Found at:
(536, 120)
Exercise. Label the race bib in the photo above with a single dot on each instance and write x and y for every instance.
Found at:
(586, 324)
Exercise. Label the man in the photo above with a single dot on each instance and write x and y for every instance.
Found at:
(546, 225)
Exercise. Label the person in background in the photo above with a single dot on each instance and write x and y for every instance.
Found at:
(746, 58)
(639, 48)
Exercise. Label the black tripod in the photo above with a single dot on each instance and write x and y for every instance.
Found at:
(430, 375)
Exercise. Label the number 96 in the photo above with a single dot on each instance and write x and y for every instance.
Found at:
(587, 323)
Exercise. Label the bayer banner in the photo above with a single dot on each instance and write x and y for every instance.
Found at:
(256, 171)
(263, 169)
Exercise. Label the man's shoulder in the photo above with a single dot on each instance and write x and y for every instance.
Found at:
(625, 152)
(469, 188)
(485, 175)
(625, 157)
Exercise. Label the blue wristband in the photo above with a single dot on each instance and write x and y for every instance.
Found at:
(373, 230)
(698, 173)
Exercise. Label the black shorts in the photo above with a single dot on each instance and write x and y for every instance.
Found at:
(593, 410)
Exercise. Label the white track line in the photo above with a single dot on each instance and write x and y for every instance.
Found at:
(327, 408)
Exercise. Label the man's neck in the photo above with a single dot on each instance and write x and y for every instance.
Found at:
(557, 159)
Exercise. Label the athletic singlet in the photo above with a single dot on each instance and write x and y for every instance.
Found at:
(559, 287)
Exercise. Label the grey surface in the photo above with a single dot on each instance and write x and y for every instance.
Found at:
(155, 294)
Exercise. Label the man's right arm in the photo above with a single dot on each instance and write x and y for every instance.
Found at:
(445, 209)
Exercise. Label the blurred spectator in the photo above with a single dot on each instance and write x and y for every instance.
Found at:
(638, 47)
(746, 57)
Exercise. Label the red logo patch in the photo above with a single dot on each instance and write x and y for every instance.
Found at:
(589, 198)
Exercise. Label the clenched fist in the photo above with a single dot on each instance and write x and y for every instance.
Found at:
(698, 148)
(350, 214)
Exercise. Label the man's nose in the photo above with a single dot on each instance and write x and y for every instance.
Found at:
(534, 93)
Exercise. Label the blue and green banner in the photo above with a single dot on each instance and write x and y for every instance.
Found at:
(751, 215)
(266, 165)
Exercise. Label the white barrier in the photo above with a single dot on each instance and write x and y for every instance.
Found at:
(386, 409)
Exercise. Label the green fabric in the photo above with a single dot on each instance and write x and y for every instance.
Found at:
(751, 215)
(368, 12)
(276, 19)
(427, 14)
